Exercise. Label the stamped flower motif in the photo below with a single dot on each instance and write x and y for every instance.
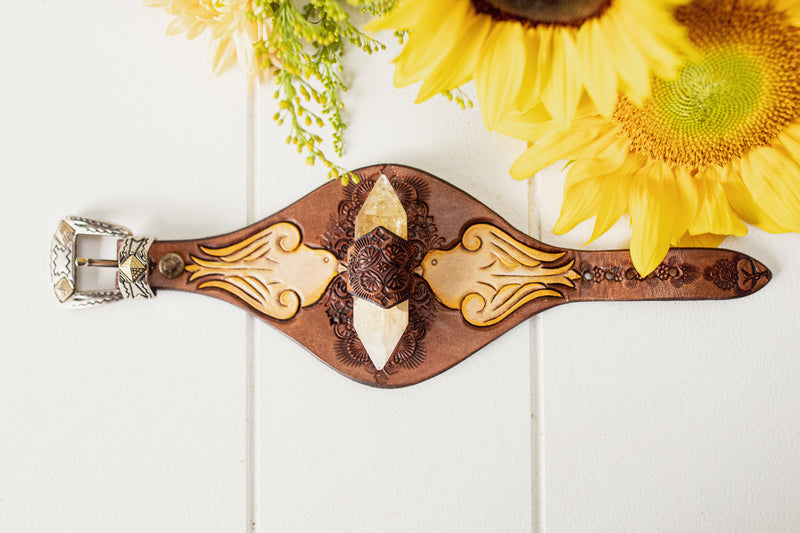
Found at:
(662, 272)
(723, 273)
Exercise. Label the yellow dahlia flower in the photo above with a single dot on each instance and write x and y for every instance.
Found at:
(717, 145)
(521, 52)
(235, 32)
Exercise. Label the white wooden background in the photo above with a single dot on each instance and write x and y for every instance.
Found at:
(184, 414)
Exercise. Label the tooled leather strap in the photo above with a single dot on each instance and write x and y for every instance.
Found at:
(467, 275)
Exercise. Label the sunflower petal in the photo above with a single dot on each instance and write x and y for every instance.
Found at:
(500, 72)
(614, 200)
(430, 42)
(631, 67)
(561, 95)
(544, 63)
(666, 42)
(461, 61)
(742, 202)
(529, 125)
(714, 213)
(705, 240)
(771, 180)
(529, 93)
(581, 138)
(653, 203)
(404, 16)
(581, 202)
(600, 79)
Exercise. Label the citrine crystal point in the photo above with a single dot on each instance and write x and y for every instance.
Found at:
(382, 208)
(380, 329)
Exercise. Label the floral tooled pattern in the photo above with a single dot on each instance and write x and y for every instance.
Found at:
(676, 273)
(422, 236)
(410, 349)
(724, 274)
(380, 268)
(661, 272)
(742, 274)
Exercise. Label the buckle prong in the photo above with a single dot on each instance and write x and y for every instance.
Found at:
(83, 261)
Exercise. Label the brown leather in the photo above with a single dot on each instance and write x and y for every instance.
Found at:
(438, 336)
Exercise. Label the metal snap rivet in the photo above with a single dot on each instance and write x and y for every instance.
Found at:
(171, 265)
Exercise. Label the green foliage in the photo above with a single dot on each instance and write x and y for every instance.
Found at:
(459, 97)
(309, 42)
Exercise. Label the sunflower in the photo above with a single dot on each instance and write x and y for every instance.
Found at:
(521, 52)
(237, 33)
(716, 146)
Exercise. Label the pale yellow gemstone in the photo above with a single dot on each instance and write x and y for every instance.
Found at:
(382, 208)
(380, 329)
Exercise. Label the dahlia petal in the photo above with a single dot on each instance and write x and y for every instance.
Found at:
(178, 25)
(195, 29)
(220, 53)
(245, 54)
(253, 30)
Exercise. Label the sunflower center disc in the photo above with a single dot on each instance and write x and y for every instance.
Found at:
(543, 11)
(738, 94)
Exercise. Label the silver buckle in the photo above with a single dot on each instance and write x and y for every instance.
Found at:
(132, 263)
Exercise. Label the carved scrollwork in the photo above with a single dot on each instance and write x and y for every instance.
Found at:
(271, 271)
(490, 274)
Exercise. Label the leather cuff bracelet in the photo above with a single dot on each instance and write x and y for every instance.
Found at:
(393, 279)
